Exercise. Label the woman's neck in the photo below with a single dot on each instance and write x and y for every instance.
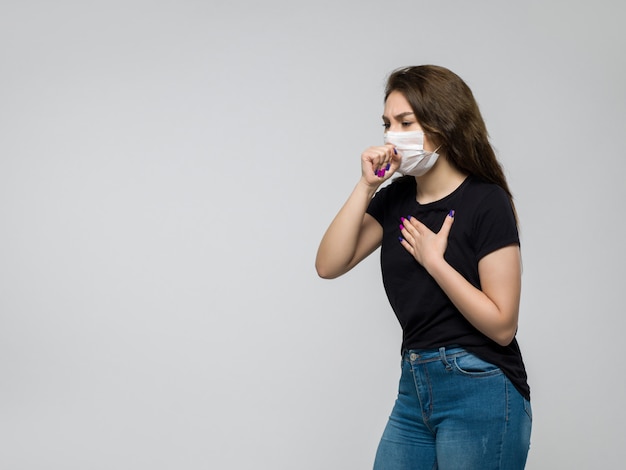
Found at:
(442, 179)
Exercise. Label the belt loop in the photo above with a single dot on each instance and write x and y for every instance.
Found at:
(442, 354)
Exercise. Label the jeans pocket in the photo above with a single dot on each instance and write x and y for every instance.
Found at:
(528, 409)
(473, 366)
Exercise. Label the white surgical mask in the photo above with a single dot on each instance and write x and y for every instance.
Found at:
(410, 145)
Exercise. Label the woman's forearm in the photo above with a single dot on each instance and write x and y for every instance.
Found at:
(348, 239)
(493, 309)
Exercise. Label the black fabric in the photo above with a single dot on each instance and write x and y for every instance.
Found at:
(483, 222)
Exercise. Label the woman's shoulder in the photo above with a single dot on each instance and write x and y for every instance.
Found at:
(398, 186)
(479, 189)
(484, 200)
(402, 184)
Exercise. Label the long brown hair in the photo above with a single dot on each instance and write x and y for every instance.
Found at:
(448, 113)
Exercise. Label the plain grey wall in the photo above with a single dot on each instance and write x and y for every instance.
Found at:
(167, 169)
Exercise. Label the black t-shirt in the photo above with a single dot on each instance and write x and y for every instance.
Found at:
(483, 222)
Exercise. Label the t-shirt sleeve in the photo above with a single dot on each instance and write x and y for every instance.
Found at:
(496, 226)
(376, 206)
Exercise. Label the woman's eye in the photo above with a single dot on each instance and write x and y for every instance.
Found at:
(386, 125)
(406, 124)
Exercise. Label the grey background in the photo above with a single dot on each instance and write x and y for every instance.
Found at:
(168, 168)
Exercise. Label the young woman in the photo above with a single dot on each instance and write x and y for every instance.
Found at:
(451, 269)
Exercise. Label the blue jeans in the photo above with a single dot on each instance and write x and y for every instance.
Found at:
(454, 411)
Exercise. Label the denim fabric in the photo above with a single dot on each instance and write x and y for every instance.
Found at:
(454, 411)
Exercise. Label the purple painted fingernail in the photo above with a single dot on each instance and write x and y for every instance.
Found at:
(402, 219)
(388, 166)
(401, 227)
(395, 151)
(451, 213)
(400, 239)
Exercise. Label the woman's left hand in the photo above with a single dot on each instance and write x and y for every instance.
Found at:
(426, 246)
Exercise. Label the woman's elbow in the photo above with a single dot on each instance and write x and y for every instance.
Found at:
(326, 272)
(506, 336)
(321, 272)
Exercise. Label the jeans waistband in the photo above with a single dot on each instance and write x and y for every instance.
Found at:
(428, 355)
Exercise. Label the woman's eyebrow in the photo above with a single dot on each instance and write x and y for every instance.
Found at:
(400, 116)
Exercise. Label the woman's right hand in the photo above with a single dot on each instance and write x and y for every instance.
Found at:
(379, 163)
